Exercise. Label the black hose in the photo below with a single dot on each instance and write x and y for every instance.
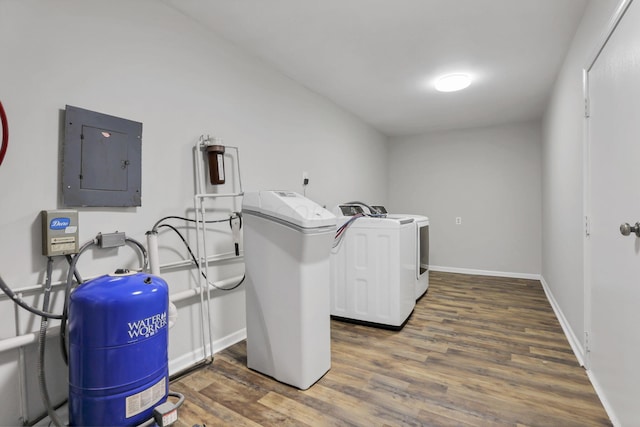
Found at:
(42, 338)
(195, 261)
(212, 221)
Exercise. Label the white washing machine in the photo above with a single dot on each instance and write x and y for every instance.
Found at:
(422, 248)
(287, 242)
(373, 269)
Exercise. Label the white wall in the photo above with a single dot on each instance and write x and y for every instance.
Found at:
(146, 62)
(490, 177)
(562, 175)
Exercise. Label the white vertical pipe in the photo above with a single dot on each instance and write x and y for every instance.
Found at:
(22, 385)
(200, 225)
(206, 279)
(152, 249)
(203, 216)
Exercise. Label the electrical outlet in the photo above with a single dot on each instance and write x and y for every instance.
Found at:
(458, 220)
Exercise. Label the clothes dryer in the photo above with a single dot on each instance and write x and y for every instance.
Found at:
(422, 246)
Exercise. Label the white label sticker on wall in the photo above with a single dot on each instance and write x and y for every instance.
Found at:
(144, 400)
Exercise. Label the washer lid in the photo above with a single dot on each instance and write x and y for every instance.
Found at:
(378, 222)
(288, 206)
(417, 218)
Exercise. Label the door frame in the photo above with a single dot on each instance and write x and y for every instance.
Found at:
(620, 10)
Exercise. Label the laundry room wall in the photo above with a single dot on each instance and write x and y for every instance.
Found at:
(489, 178)
(562, 177)
(146, 62)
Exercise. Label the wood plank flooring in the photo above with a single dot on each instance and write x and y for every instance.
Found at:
(477, 351)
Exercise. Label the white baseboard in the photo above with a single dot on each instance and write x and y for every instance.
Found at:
(189, 359)
(605, 403)
(484, 272)
(578, 350)
(574, 342)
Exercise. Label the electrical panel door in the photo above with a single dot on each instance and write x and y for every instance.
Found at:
(101, 160)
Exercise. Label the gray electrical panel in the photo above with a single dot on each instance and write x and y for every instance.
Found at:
(102, 160)
(59, 232)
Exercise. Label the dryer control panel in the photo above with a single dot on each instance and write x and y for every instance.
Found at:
(379, 210)
(351, 210)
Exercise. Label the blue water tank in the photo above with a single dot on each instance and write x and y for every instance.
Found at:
(118, 361)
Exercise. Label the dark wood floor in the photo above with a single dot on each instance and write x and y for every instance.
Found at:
(477, 351)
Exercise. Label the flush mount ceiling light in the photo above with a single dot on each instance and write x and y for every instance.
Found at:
(452, 82)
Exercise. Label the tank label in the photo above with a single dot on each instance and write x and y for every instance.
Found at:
(147, 327)
(140, 402)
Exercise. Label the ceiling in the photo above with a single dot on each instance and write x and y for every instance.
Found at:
(378, 58)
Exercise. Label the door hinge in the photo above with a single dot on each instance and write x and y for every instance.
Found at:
(587, 344)
(587, 226)
(587, 112)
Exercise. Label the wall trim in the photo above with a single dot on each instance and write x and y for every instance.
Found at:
(574, 342)
(603, 399)
(484, 272)
(189, 359)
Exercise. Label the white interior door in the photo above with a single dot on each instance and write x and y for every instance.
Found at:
(613, 308)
